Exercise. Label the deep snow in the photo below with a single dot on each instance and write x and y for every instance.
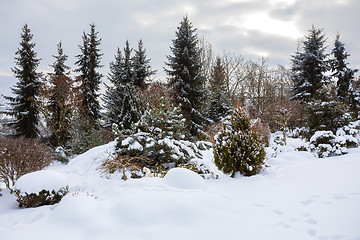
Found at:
(297, 197)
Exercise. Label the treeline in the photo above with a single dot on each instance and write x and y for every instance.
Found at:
(65, 112)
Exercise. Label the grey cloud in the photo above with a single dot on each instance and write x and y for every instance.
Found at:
(155, 21)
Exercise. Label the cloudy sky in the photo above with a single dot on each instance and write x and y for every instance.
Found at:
(252, 28)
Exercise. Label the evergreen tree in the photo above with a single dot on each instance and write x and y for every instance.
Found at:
(142, 68)
(60, 104)
(130, 108)
(186, 76)
(127, 73)
(114, 94)
(238, 147)
(342, 73)
(219, 98)
(309, 67)
(89, 62)
(24, 107)
(59, 65)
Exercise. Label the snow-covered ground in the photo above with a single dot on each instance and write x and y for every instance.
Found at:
(296, 197)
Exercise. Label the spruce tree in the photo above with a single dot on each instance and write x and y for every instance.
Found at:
(142, 68)
(342, 73)
(220, 105)
(114, 93)
(60, 105)
(186, 76)
(24, 109)
(130, 109)
(89, 62)
(309, 67)
(59, 65)
(127, 65)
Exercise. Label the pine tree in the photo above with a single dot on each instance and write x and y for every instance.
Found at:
(89, 62)
(185, 75)
(24, 107)
(142, 68)
(60, 104)
(219, 98)
(309, 67)
(238, 147)
(342, 73)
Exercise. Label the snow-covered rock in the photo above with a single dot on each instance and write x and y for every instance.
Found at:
(183, 178)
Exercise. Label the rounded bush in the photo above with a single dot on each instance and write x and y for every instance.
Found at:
(40, 188)
(238, 147)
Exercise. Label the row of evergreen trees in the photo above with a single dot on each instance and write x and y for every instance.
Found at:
(64, 101)
(313, 72)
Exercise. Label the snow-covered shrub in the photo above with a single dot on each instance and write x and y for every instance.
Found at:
(299, 132)
(199, 168)
(19, 156)
(351, 133)
(40, 188)
(326, 115)
(238, 147)
(326, 144)
(158, 138)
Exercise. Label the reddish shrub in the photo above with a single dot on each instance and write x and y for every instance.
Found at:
(19, 156)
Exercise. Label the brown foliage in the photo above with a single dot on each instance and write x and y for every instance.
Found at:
(126, 163)
(154, 93)
(19, 156)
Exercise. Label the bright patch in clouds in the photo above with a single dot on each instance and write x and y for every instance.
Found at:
(263, 23)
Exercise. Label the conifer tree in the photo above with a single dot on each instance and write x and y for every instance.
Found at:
(142, 68)
(238, 147)
(127, 73)
(60, 104)
(130, 109)
(114, 93)
(219, 98)
(89, 62)
(186, 76)
(59, 65)
(342, 73)
(24, 107)
(309, 67)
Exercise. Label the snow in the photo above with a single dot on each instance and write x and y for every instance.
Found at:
(183, 178)
(297, 196)
(37, 181)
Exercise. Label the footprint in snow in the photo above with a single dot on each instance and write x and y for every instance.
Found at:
(307, 202)
(278, 212)
(311, 221)
(311, 232)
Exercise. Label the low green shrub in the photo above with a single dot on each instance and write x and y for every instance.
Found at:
(44, 197)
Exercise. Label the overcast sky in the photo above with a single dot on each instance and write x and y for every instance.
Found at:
(252, 28)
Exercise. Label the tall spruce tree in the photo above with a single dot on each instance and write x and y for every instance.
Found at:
(343, 74)
(142, 67)
(220, 105)
(114, 93)
(186, 76)
(309, 67)
(89, 62)
(60, 106)
(24, 109)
